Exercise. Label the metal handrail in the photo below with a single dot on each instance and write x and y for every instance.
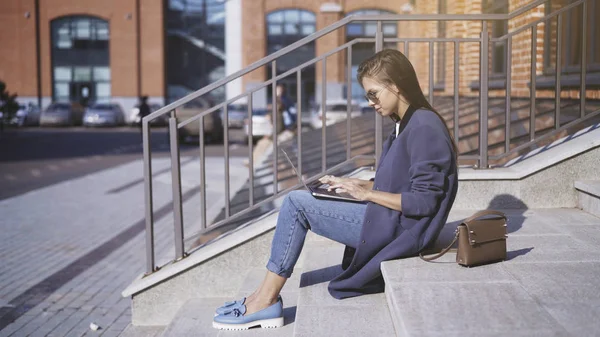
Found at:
(538, 21)
(482, 158)
(329, 29)
(270, 81)
(548, 135)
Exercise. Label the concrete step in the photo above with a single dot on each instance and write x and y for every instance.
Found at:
(142, 331)
(289, 293)
(546, 287)
(195, 318)
(196, 315)
(588, 196)
(319, 314)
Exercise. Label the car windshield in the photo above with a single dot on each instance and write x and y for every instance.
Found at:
(59, 106)
(104, 107)
(237, 107)
(260, 112)
(337, 107)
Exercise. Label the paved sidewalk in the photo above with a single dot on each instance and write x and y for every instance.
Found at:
(68, 250)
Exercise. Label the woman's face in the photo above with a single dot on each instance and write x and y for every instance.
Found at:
(384, 99)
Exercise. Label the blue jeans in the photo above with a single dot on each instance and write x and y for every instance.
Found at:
(337, 220)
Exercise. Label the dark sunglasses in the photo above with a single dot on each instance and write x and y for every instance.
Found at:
(372, 96)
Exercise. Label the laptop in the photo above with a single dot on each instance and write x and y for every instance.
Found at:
(319, 190)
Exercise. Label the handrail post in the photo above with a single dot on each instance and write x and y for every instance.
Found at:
(299, 119)
(378, 118)
(431, 70)
(176, 186)
(508, 92)
(324, 116)
(150, 268)
(226, 160)
(483, 98)
(250, 153)
(456, 94)
(582, 87)
(558, 72)
(202, 154)
(349, 101)
(532, 91)
(275, 123)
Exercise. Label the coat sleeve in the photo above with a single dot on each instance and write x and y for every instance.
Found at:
(431, 158)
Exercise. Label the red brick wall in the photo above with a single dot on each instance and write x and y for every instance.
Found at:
(18, 54)
(152, 43)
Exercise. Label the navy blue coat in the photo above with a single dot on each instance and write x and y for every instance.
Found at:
(420, 165)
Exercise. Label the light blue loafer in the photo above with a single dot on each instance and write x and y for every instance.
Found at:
(271, 317)
(229, 306)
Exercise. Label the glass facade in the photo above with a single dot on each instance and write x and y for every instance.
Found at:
(362, 51)
(80, 60)
(194, 47)
(285, 27)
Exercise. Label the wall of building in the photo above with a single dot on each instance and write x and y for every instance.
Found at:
(254, 40)
(18, 55)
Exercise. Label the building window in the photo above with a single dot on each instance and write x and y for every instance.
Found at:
(362, 51)
(80, 59)
(285, 27)
(498, 29)
(571, 33)
(194, 47)
(369, 28)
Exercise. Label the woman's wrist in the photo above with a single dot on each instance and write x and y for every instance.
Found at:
(370, 195)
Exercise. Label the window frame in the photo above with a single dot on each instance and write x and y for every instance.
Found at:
(71, 23)
(356, 91)
(569, 67)
(497, 48)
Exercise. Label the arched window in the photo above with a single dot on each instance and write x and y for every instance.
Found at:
(285, 27)
(80, 59)
(362, 51)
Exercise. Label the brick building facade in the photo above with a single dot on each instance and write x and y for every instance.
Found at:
(134, 65)
(137, 64)
(255, 40)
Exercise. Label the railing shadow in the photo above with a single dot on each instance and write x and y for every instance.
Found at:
(313, 277)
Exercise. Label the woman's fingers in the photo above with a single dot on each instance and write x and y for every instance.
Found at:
(327, 179)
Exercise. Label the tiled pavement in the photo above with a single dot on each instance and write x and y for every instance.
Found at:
(68, 250)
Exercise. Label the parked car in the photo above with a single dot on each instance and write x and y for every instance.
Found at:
(104, 114)
(261, 123)
(27, 115)
(236, 114)
(213, 125)
(336, 112)
(135, 119)
(62, 113)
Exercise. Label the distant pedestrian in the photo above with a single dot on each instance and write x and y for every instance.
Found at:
(143, 110)
(284, 130)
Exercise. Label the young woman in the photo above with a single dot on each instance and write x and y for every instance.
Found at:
(407, 203)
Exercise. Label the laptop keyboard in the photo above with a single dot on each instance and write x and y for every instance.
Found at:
(323, 190)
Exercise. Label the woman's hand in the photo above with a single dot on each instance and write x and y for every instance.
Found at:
(332, 180)
(357, 188)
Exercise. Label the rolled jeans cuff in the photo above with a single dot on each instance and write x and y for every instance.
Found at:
(274, 268)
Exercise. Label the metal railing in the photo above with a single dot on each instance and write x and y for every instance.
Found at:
(482, 158)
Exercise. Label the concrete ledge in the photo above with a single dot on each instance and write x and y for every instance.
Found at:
(551, 187)
(203, 253)
(588, 196)
(547, 156)
(589, 186)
